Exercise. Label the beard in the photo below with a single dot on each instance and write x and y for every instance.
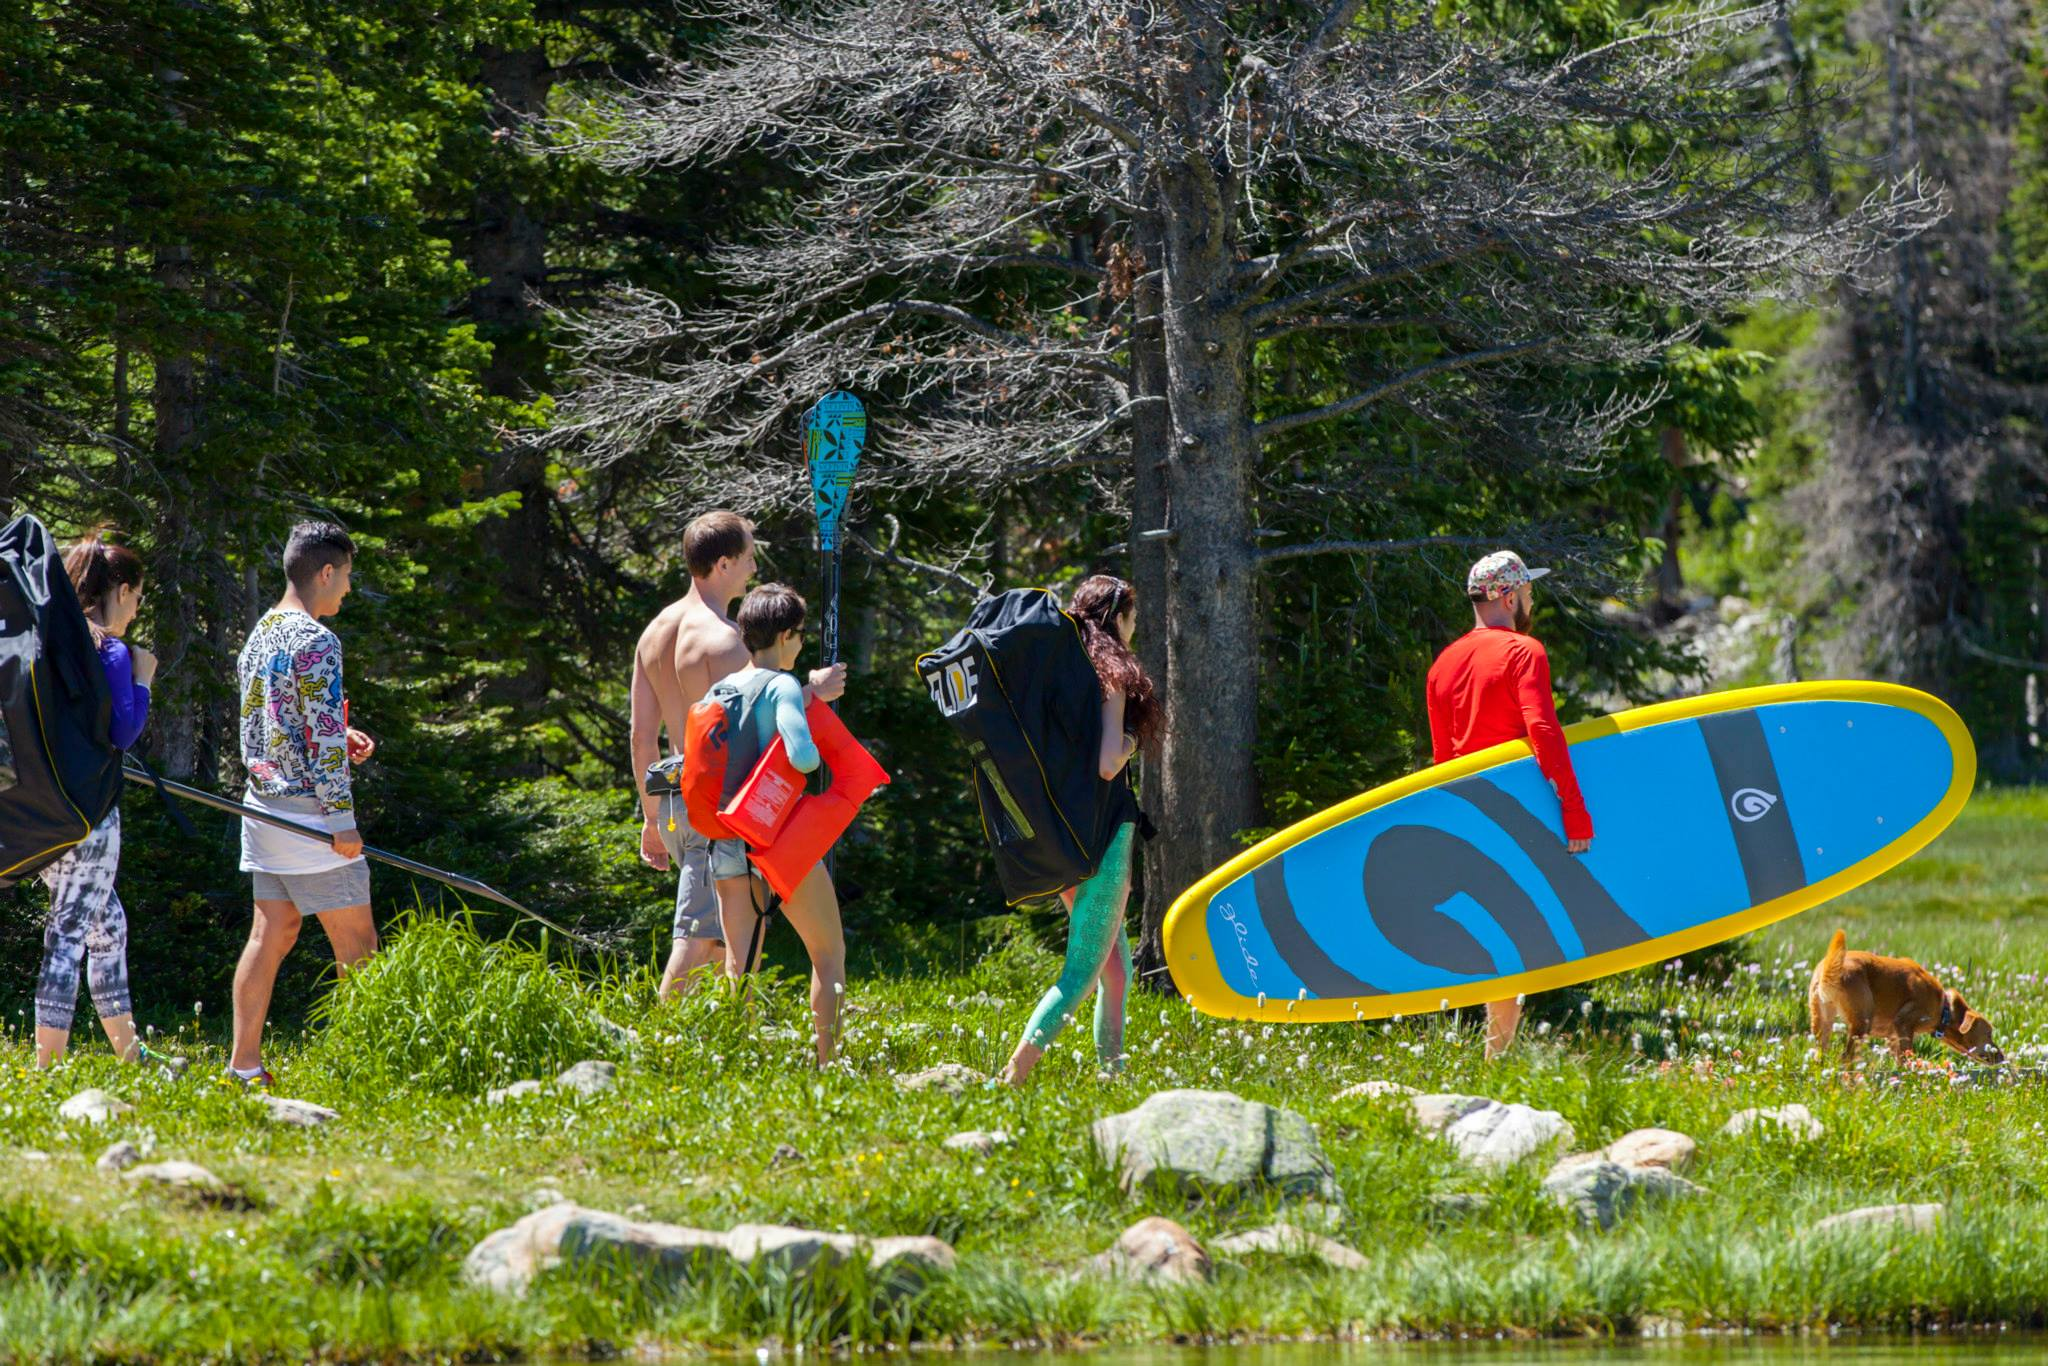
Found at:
(1523, 616)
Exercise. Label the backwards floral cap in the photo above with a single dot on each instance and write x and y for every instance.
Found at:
(1500, 574)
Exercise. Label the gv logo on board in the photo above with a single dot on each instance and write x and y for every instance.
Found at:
(1752, 804)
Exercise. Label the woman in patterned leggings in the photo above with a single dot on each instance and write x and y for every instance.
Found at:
(87, 924)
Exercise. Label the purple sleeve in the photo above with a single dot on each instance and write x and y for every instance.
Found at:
(131, 699)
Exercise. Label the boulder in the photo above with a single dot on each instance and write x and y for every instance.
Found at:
(670, 1255)
(1792, 1122)
(1212, 1143)
(1286, 1240)
(1666, 1148)
(621, 1037)
(300, 1114)
(188, 1178)
(1449, 1207)
(950, 1077)
(983, 1141)
(498, 1095)
(1492, 1134)
(1889, 1219)
(1154, 1249)
(1600, 1191)
(1437, 1113)
(589, 1078)
(93, 1106)
(1312, 1214)
(118, 1158)
(183, 1175)
(784, 1154)
(1376, 1090)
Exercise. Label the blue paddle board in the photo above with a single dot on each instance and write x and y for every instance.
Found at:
(1712, 816)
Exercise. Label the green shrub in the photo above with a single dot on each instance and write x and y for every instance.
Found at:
(440, 1008)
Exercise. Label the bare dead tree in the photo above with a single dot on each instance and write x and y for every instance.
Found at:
(1945, 392)
(1054, 235)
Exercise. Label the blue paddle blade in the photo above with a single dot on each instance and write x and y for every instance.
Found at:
(834, 431)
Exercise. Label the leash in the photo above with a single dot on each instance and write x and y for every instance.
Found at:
(166, 788)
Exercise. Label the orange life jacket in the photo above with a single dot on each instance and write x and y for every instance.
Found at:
(787, 830)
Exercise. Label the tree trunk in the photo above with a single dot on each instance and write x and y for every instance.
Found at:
(508, 252)
(178, 565)
(1151, 448)
(1205, 792)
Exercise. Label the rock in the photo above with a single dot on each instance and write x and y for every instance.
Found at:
(590, 1077)
(1792, 1122)
(1666, 1148)
(1601, 1191)
(1154, 1249)
(301, 1114)
(498, 1095)
(620, 1035)
(188, 1178)
(950, 1077)
(1492, 1134)
(983, 1141)
(93, 1106)
(1447, 1207)
(1212, 1143)
(1313, 1214)
(1894, 1219)
(669, 1254)
(784, 1154)
(118, 1158)
(1437, 1113)
(1376, 1090)
(187, 1175)
(31, 1155)
(1286, 1240)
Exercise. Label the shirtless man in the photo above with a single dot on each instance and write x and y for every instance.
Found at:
(691, 644)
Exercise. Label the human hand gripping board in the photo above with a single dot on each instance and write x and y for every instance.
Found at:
(1717, 815)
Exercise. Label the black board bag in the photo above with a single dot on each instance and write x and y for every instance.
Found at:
(59, 771)
(1017, 686)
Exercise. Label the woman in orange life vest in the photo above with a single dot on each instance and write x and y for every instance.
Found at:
(1098, 951)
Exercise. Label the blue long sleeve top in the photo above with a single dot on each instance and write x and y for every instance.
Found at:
(782, 715)
(131, 699)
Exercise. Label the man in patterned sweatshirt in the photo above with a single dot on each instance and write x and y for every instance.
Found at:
(297, 745)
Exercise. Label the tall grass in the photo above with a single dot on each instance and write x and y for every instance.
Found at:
(441, 1008)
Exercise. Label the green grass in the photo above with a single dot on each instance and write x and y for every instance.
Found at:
(352, 1246)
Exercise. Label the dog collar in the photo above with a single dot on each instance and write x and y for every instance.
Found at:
(1942, 1028)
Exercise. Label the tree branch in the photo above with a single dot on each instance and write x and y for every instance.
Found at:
(1296, 552)
(1442, 365)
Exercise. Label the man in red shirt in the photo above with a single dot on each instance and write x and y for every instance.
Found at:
(1492, 685)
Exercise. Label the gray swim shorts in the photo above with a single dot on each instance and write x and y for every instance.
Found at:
(691, 853)
(318, 893)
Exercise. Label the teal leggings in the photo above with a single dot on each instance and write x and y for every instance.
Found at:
(1094, 931)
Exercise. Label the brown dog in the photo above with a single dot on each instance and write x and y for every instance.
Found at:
(1893, 998)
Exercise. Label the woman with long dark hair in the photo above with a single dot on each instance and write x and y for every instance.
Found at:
(1098, 950)
(87, 925)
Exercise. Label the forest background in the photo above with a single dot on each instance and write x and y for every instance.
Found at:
(263, 260)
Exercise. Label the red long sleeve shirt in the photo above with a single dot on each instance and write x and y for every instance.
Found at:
(1491, 686)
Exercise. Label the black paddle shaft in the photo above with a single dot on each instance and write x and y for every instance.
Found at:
(456, 880)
